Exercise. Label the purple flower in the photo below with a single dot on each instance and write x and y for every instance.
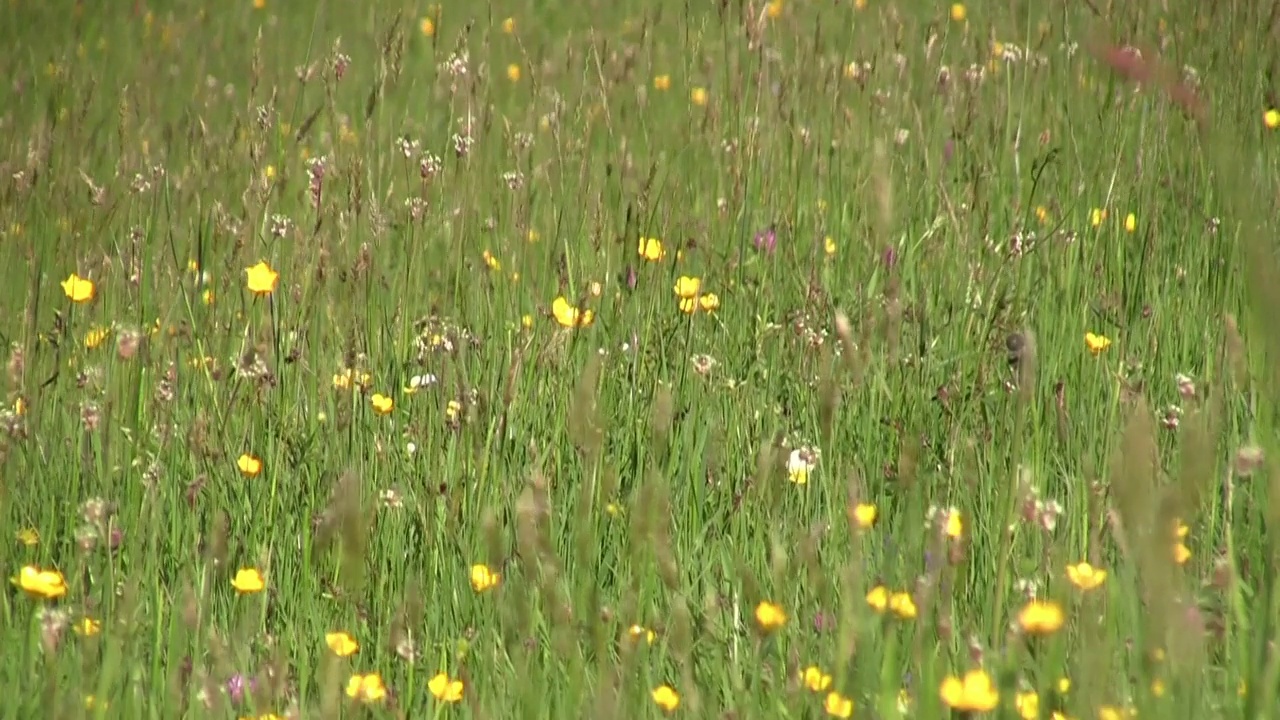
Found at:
(890, 257)
(766, 240)
(236, 687)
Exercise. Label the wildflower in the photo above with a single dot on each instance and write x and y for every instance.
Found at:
(814, 679)
(1271, 119)
(509, 26)
(974, 693)
(46, 584)
(864, 515)
(1027, 704)
(958, 12)
(1096, 343)
(445, 689)
(665, 697)
(1097, 216)
(483, 579)
(1042, 214)
(902, 605)
(248, 581)
(341, 643)
(1181, 553)
(639, 631)
(706, 303)
(878, 598)
(491, 260)
(28, 536)
(261, 279)
(382, 404)
(698, 96)
(569, 316)
(1040, 618)
(78, 289)
(950, 520)
(427, 27)
(1085, 576)
(662, 82)
(774, 9)
(770, 616)
(829, 246)
(838, 705)
(687, 287)
(1130, 222)
(766, 240)
(513, 72)
(88, 627)
(95, 337)
(249, 465)
(366, 688)
(651, 249)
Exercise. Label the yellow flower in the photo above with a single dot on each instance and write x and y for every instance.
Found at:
(770, 616)
(662, 82)
(838, 705)
(864, 515)
(569, 316)
(91, 702)
(698, 96)
(259, 4)
(651, 249)
(341, 643)
(774, 9)
(382, 404)
(1181, 553)
(491, 260)
(28, 536)
(665, 697)
(483, 579)
(248, 581)
(509, 26)
(1028, 705)
(1096, 343)
(1042, 214)
(249, 465)
(427, 27)
(954, 526)
(1130, 222)
(261, 279)
(958, 12)
(366, 688)
(78, 289)
(974, 693)
(829, 246)
(1158, 687)
(1085, 576)
(1040, 617)
(687, 287)
(46, 584)
(513, 72)
(1097, 216)
(814, 679)
(20, 406)
(95, 337)
(444, 689)
(1271, 118)
(88, 627)
(878, 598)
(639, 631)
(902, 605)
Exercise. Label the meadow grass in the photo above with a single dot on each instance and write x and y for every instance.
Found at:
(722, 360)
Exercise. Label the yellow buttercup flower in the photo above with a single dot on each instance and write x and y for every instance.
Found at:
(341, 643)
(1096, 343)
(28, 536)
(95, 337)
(662, 82)
(770, 616)
(1040, 617)
(958, 12)
(261, 279)
(248, 581)
(569, 316)
(864, 515)
(838, 705)
(427, 27)
(445, 689)
(665, 697)
(491, 260)
(1097, 216)
(814, 679)
(1271, 119)
(698, 96)
(483, 579)
(382, 404)
(829, 246)
(88, 627)
(902, 605)
(774, 9)
(638, 632)
(973, 693)
(46, 584)
(878, 598)
(1027, 705)
(688, 287)
(651, 249)
(367, 688)
(513, 72)
(249, 465)
(78, 289)
(1085, 576)
(509, 26)
(1130, 222)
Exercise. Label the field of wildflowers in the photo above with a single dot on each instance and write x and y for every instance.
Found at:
(799, 359)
